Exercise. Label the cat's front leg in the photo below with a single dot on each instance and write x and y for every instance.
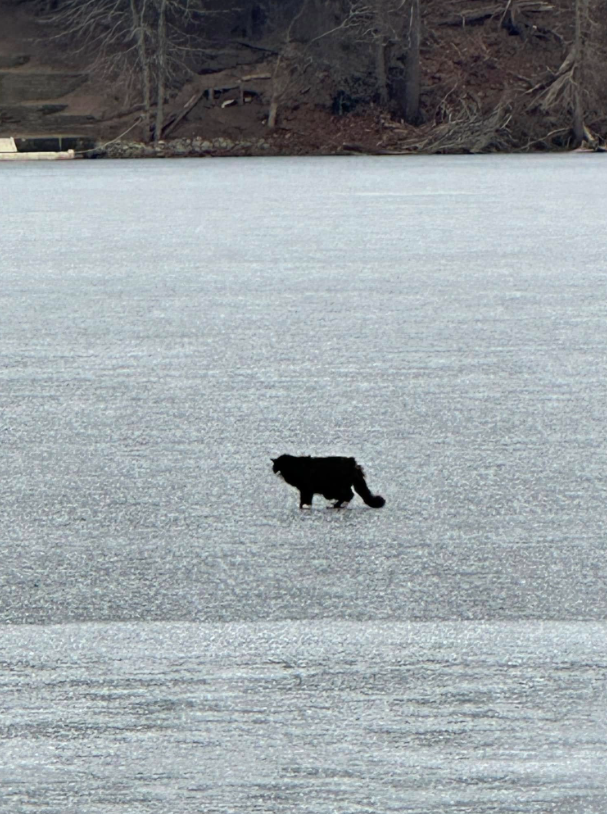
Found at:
(305, 499)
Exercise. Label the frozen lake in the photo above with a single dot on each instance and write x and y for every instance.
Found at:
(175, 635)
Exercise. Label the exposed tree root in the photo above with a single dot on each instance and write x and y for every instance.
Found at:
(462, 129)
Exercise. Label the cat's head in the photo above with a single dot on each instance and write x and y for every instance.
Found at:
(277, 464)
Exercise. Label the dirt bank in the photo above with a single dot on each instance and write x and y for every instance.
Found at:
(484, 86)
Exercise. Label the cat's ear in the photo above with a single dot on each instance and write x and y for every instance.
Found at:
(273, 460)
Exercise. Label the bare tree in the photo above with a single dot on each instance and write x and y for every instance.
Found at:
(574, 91)
(394, 29)
(161, 45)
(295, 54)
(142, 45)
(386, 32)
(410, 102)
(176, 35)
(103, 29)
(284, 70)
(138, 13)
(380, 28)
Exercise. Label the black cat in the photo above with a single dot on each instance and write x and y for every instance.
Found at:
(331, 477)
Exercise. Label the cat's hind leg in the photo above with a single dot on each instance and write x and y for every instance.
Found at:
(344, 498)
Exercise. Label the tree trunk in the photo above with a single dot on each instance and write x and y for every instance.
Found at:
(162, 69)
(380, 51)
(272, 115)
(406, 86)
(577, 76)
(280, 74)
(137, 19)
(412, 88)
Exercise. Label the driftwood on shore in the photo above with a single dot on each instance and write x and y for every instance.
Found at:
(252, 78)
(361, 149)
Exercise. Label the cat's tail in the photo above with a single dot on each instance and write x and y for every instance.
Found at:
(360, 485)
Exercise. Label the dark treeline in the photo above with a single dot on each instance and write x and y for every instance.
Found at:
(445, 76)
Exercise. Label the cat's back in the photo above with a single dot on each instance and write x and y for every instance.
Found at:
(335, 462)
(334, 467)
(312, 469)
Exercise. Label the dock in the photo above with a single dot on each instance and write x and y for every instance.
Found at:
(9, 152)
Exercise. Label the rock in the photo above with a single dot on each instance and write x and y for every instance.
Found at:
(182, 147)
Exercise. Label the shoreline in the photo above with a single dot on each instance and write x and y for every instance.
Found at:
(223, 148)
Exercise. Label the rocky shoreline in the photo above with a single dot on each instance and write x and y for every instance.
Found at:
(181, 148)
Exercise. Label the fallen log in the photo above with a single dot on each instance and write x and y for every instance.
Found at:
(478, 16)
(176, 118)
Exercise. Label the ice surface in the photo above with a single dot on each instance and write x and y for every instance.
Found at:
(166, 328)
(304, 716)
